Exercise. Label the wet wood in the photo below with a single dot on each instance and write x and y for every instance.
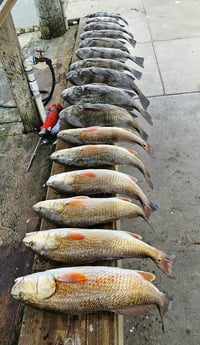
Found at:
(12, 62)
(5, 8)
(41, 328)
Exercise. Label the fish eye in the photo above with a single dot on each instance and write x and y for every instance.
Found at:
(21, 294)
(31, 244)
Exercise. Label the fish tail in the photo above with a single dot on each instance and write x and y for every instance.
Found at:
(143, 134)
(149, 208)
(137, 74)
(124, 20)
(143, 99)
(132, 42)
(164, 307)
(148, 149)
(147, 178)
(166, 264)
(146, 116)
(138, 60)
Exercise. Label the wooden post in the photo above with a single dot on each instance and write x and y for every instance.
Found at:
(51, 19)
(11, 59)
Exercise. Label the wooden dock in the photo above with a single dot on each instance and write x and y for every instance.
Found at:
(42, 328)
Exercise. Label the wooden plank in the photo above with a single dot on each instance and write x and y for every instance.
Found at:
(41, 328)
(12, 61)
(5, 8)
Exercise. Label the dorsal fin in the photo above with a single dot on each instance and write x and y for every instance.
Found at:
(134, 235)
(147, 275)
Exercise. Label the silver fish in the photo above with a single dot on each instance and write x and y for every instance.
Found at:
(108, 53)
(106, 26)
(83, 211)
(87, 115)
(106, 19)
(98, 155)
(107, 76)
(100, 181)
(105, 63)
(104, 42)
(102, 93)
(108, 33)
(102, 135)
(107, 14)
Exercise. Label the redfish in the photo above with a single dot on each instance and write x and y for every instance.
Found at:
(88, 289)
(97, 155)
(102, 135)
(80, 246)
(100, 181)
(88, 114)
(83, 211)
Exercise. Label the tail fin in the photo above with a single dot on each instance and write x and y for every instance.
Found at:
(148, 148)
(143, 134)
(166, 264)
(132, 41)
(135, 72)
(137, 59)
(166, 305)
(146, 115)
(149, 208)
(143, 99)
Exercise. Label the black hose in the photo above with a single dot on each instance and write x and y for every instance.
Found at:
(46, 99)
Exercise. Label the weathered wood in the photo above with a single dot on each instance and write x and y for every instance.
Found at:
(51, 19)
(5, 8)
(11, 59)
(40, 328)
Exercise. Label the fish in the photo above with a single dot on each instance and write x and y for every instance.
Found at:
(106, 19)
(106, 26)
(117, 34)
(105, 63)
(97, 155)
(87, 115)
(102, 135)
(71, 246)
(104, 42)
(100, 181)
(82, 211)
(88, 289)
(107, 76)
(107, 14)
(108, 53)
(102, 93)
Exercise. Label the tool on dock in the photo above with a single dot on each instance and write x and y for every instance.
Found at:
(46, 129)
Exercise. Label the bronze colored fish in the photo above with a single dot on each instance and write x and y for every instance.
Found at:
(97, 155)
(88, 114)
(107, 76)
(90, 289)
(102, 93)
(83, 211)
(105, 63)
(102, 135)
(117, 34)
(80, 246)
(104, 42)
(100, 181)
(108, 53)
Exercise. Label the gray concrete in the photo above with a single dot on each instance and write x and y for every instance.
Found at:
(168, 35)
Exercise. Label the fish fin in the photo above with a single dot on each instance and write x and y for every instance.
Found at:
(148, 148)
(74, 236)
(72, 278)
(92, 128)
(88, 173)
(137, 74)
(134, 179)
(137, 309)
(132, 42)
(143, 99)
(81, 197)
(134, 235)
(132, 152)
(147, 275)
(88, 147)
(132, 114)
(137, 59)
(91, 106)
(147, 117)
(149, 208)
(124, 199)
(166, 264)
(167, 302)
